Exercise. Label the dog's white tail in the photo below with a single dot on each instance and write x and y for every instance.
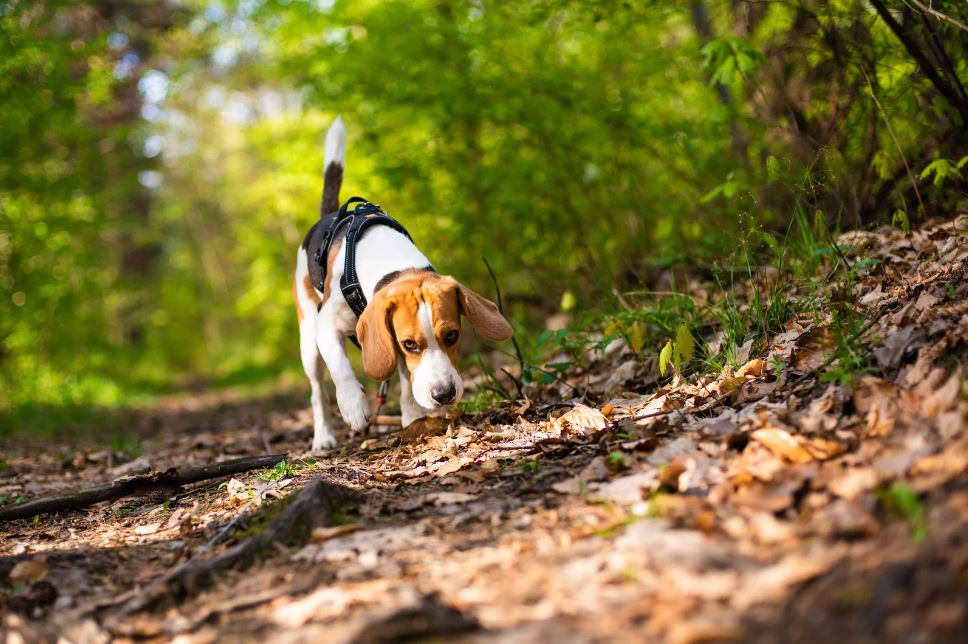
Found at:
(335, 159)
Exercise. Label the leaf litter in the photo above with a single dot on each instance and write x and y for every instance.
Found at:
(767, 500)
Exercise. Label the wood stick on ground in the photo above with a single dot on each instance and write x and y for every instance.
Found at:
(131, 485)
(312, 506)
(388, 421)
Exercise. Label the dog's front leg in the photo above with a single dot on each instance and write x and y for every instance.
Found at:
(349, 391)
(409, 409)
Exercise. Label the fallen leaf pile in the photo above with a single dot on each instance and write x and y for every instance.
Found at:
(772, 500)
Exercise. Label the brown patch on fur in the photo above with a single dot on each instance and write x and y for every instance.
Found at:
(295, 297)
(333, 251)
(311, 291)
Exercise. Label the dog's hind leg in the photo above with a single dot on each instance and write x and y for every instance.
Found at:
(313, 366)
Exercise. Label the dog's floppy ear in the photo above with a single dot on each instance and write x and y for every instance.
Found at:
(373, 332)
(484, 315)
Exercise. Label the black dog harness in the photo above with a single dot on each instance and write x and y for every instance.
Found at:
(364, 215)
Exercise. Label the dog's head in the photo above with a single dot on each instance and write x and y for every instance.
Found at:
(417, 316)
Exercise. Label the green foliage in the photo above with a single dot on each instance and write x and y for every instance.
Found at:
(727, 57)
(899, 500)
(281, 470)
(943, 169)
(160, 162)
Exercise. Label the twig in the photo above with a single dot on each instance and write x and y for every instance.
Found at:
(517, 384)
(497, 387)
(655, 414)
(500, 307)
(887, 122)
(937, 14)
(132, 485)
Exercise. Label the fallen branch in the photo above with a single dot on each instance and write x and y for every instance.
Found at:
(387, 421)
(133, 485)
(312, 506)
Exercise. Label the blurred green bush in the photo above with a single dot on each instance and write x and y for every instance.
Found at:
(161, 161)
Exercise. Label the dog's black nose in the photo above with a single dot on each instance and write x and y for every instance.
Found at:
(444, 395)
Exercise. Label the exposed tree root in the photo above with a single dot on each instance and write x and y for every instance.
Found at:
(313, 506)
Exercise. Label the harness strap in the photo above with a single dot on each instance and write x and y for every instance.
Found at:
(364, 215)
(349, 283)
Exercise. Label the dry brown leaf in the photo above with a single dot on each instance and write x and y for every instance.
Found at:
(853, 482)
(144, 530)
(423, 428)
(584, 418)
(28, 571)
(877, 400)
(949, 463)
(798, 449)
(812, 349)
(782, 443)
(753, 368)
(945, 397)
(757, 497)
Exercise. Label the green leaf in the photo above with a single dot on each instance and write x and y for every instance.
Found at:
(942, 169)
(900, 220)
(684, 344)
(637, 336)
(772, 168)
(568, 301)
(665, 357)
(901, 500)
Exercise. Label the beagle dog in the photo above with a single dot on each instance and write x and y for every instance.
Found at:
(411, 322)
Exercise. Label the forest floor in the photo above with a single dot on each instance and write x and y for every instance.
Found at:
(768, 502)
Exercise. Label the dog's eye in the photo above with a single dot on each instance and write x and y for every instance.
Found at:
(410, 346)
(451, 337)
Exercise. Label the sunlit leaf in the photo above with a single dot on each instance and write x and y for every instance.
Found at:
(665, 357)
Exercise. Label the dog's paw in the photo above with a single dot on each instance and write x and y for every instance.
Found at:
(352, 406)
(323, 441)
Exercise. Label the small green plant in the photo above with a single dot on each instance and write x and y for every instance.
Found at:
(900, 501)
(281, 470)
(479, 400)
(20, 500)
(950, 291)
(36, 520)
(345, 515)
(129, 444)
(943, 169)
(166, 506)
(120, 513)
(849, 359)
(628, 435)
(531, 466)
(617, 460)
(900, 220)
(3, 498)
(677, 351)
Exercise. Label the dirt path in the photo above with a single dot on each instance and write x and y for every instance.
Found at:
(757, 504)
